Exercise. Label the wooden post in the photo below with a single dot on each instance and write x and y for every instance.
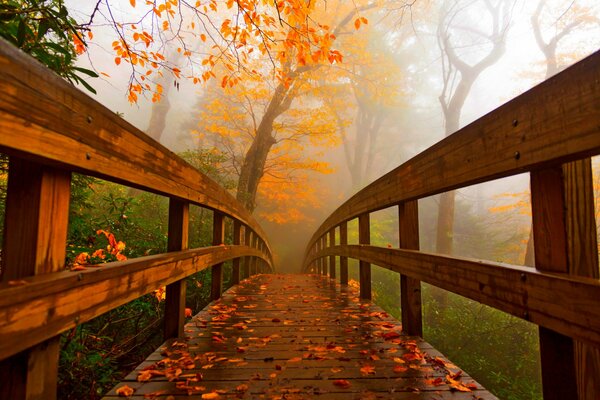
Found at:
(332, 258)
(410, 288)
(247, 241)
(323, 259)
(550, 247)
(175, 293)
(237, 240)
(344, 260)
(35, 236)
(364, 237)
(254, 261)
(217, 269)
(582, 251)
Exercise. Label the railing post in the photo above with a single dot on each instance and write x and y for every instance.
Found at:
(254, 260)
(35, 235)
(344, 260)
(237, 240)
(332, 258)
(582, 251)
(175, 293)
(217, 269)
(322, 246)
(550, 245)
(410, 288)
(364, 237)
(247, 240)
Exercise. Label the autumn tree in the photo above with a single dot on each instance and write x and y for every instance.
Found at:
(489, 25)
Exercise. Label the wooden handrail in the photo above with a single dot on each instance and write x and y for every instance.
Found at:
(49, 129)
(549, 131)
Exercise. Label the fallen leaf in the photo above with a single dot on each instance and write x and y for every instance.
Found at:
(398, 369)
(295, 359)
(367, 370)
(343, 383)
(241, 388)
(212, 395)
(125, 391)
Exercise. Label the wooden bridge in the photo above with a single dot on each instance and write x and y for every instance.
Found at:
(297, 336)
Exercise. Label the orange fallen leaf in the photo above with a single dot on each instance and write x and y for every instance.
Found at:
(398, 369)
(343, 383)
(367, 370)
(78, 268)
(212, 395)
(241, 388)
(125, 391)
(295, 359)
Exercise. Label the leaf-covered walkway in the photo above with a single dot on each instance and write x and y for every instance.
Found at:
(297, 337)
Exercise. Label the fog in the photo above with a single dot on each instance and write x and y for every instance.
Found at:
(367, 115)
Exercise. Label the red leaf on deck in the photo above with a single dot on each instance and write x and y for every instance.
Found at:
(391, 335)
(343, 383)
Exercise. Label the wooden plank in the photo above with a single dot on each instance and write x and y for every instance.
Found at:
(237, 240)
(582, 251)
(364, 238)
(344, 260)
(178, 231)
(550, 246)
(332, 258)
(35, 234)
(254, 347)
(410, 289)
(218, 239)
(566, 304)
(45, 118)
(46, 305)
(554, 122)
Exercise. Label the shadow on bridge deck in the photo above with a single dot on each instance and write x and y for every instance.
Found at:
(297, 337)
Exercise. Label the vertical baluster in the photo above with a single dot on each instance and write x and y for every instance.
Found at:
(35, 235)
(217, 269)
(254, 261)
(410, 288)
(332, 258)
(344, 260)
(237, 240)
(582, 251)
(364, 237)
(550, 246)
(247, 241)
(175, 293)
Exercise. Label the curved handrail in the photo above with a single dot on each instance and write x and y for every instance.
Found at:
(44, 118)
(48, 124)
(549, 132)
(524, 134)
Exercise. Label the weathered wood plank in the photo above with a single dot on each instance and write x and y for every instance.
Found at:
(332, 258)
(549, 228)
(45, 118)
(566, 304)
(237, 240)
(344, 260)
(364, 238)
(554, 122)
(410, 288)
(241, 346)
(46, 305)
(582, 251)
(218, 238)
(35, 235)
(178, 232)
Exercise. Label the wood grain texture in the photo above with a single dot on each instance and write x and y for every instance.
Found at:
(332, 258)
(299, 334)
(582, 254)
(218, 238)
(344, 260)
(35, 234)
(549, 226)
(45, 118)
(364, 238)
(566, 304)
(410, 288)
(48, 304)
(237, 240)
(177, 239)
(554, 122)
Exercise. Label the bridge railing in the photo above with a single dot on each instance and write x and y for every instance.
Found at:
(549, 132)
(49, 129)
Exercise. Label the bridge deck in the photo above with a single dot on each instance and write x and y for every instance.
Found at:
(297, 337)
